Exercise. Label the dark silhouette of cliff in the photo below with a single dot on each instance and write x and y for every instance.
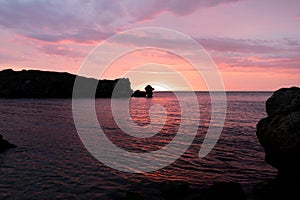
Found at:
(45, 84)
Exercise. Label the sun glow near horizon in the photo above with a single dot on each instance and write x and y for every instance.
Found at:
(157, 87)
(250, 56)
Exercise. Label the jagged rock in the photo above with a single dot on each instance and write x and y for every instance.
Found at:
(43, 84)
(284, 100)
(4, 144)
(277, 190)
(149, 91)
(175, 190)
(279, 133)
(178, 190)
(225, 190)
(129, 195)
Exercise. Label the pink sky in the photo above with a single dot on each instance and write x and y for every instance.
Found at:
(254, 43)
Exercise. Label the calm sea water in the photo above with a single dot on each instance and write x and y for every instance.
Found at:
(51, 162)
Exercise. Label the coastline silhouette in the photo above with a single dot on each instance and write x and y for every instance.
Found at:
(46, 84)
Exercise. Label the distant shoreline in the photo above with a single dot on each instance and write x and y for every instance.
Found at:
(38, 84)
(216, 91)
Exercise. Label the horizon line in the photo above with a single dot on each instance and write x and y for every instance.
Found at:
(204, 91)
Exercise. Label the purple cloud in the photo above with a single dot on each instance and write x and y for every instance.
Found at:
(80, 36)
(241, 53)
(144, 9)
(236, 53)
(86, 20)
(238, 45)
(53, 21)
(61, 50)
(263, 62)
(217, 44)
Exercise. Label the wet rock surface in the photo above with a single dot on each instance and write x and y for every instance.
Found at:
(279, 134)
(4, 144)
(180, 190)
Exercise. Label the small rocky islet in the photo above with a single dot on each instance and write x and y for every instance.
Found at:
(147, 93)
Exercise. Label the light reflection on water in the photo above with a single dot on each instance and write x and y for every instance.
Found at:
(51, 162)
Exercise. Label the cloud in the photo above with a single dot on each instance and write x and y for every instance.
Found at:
(229, 52)
(144, 9)
(238, 45)
(6, 57)
(247, 54)
(213, 44)
(87, 20)
(61, 50)
(82, 36)
(262, 62)
(53, 21)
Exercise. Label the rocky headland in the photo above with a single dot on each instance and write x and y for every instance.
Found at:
(45, 84)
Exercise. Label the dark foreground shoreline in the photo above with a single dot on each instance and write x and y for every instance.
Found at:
(4, 144)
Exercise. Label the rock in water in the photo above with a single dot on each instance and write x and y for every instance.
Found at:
(4, 144)
(279, 133)
(149, 91)
(175, 190)
(226, 190)
(285, 100)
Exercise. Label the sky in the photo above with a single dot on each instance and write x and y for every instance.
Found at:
(255, 44)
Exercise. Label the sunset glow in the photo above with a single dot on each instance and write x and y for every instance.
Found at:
(253, 47)
(150, 99)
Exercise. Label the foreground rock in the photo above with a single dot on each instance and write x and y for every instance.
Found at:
(4, 144)
(43, 84)
(226, 190)
(279, 134)
(179, 190)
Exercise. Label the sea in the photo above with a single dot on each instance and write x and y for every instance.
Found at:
(52, 162)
